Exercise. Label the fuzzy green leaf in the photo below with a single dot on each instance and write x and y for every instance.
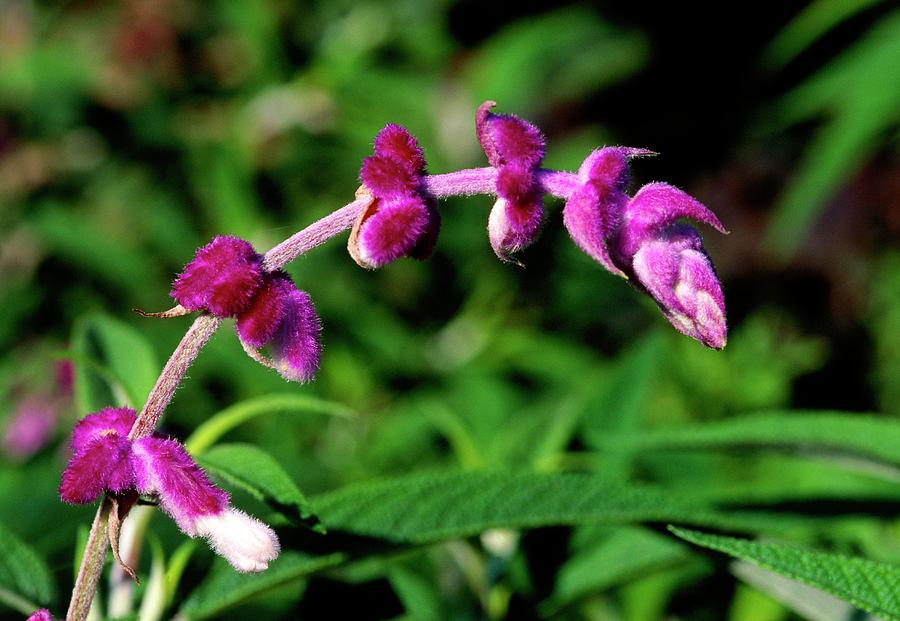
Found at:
(223, 588)
(23, 574)
(869, 585)
(255, 471)
(432, 507)
(832, 433)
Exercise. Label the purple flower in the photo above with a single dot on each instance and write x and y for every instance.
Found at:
(639, 238)
(515, 148)
(41, 614)
(226, 278)
(221, 278)
(104, 460)
(283, 317)
(402, 219)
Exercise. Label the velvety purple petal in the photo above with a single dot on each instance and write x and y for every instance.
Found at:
(677, 273)
(506, 138)
(656, 206)
(30, 427)
(257, 325)
(395, 141)
(608, 167)
(296, 347)
(103, 423)
(387, 177)
(104, 464)
(394, 230)
(589, 219)
(221, 278)
(41, 614)
(163, 467)
(514, 226)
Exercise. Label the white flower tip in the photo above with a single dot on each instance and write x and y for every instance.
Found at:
(245, 542)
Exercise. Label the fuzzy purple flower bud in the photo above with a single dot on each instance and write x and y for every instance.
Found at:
(221, 278)
(104, 460)
(668, 260)
(402, 219)
(515, 148)
(41, 614)
(639, 238)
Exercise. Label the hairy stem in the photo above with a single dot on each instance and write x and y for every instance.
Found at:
(91, 566)
(193, 341)
(558, 183)
(314, 235)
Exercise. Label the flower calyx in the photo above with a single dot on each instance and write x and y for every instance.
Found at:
(400, 219)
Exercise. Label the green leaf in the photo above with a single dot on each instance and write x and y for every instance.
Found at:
(624, 554)
(23, 574)
(225, 420)
(115, 365)
(431, 507)
(869, 585)
(824, 433)
(224, 588)
(255, 471)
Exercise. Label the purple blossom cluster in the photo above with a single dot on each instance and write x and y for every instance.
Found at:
(640, 238)
(226, 279)
(106, 461)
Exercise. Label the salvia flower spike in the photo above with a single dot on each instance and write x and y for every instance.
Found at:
(515, 149)
(401, 219)
(105, 460)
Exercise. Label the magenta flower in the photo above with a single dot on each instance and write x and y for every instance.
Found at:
(41, 614)
(515, 148)
(104, 460)
(402, 219)
(639, 238)
(226, 278)
(221, 278)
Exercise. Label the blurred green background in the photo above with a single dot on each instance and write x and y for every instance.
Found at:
(132, 132)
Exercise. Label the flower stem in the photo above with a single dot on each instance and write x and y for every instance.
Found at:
(558, 183)
(193, 341)
(91, 566)
(314, 235)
